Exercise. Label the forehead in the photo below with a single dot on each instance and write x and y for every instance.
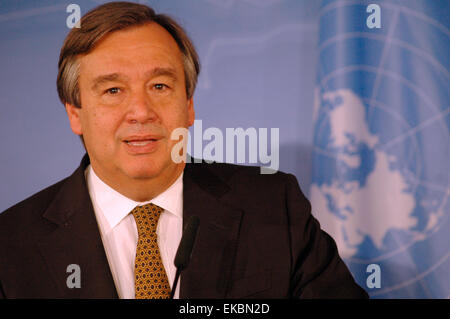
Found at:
(137, 48)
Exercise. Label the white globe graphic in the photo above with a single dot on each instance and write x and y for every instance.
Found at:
(375, 202)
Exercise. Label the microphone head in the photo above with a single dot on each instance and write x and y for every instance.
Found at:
(187, 243)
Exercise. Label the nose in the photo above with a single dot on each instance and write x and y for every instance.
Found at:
(140, 109)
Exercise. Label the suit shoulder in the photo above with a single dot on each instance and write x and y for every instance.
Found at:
(246, 181)
(29, 209)
(238, 173)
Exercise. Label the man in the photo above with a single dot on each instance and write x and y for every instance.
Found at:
(127, 79)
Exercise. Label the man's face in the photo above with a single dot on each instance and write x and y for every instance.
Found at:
(133, 95)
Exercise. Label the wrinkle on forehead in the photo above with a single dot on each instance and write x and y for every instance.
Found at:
(148, 48)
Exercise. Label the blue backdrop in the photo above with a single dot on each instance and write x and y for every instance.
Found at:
(367, 107)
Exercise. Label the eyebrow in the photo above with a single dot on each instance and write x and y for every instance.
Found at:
(106, 78)
(158, 71)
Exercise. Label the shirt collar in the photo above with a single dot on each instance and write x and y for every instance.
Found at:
(115, 206)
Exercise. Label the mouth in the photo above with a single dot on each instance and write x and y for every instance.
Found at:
(141, 144)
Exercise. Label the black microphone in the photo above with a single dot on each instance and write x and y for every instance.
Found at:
(184, 251)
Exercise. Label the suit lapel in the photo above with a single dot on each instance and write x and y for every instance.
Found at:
(76, 240)
(210, 270)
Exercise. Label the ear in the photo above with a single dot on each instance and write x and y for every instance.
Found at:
(73, 113)
(191, 111)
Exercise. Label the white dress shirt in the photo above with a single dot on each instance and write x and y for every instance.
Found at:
(119, 232)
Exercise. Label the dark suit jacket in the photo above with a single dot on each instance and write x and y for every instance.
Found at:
(257, 239)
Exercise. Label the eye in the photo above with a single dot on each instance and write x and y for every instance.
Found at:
(160, 86)
(112, 91)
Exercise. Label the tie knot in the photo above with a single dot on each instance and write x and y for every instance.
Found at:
(147, 217)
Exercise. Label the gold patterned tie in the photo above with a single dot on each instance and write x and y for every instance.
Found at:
(150, 278)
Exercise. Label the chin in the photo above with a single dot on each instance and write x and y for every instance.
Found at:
(149, 169)
(143, 172)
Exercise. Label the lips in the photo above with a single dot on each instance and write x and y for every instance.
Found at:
(141, 144)
(139, 139)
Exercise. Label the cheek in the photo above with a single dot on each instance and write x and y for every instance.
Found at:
(180, 118)
(176, 123)
(101, 126)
